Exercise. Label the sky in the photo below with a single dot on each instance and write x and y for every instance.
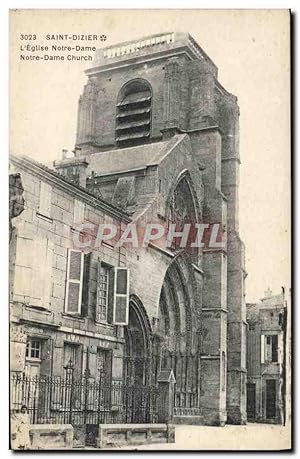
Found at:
(251, 51)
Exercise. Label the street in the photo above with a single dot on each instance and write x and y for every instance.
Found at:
(252, 436)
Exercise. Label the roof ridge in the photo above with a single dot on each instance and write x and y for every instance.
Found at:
(174, 142)
(64, 179)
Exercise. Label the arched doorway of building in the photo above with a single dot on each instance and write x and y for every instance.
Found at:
(176, 344)
(137, 345)
(137, 364)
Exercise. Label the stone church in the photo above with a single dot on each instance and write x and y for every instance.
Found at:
(156, 132)
(158, 142)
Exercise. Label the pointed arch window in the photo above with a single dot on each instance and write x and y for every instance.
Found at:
(133, 118)
(182, 211)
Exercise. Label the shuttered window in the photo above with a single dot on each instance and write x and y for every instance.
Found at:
(121, 296)
(269, 348)
(74, 281)
(104, 281)
(85, 297)
(45, 199)
(42, 272)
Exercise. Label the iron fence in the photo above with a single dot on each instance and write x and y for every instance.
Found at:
(83, 401)
(186, 368)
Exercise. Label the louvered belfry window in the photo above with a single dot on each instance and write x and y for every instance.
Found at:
(133, 123)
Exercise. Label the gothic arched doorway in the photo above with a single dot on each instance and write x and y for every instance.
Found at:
(176, 343)
(137, 345)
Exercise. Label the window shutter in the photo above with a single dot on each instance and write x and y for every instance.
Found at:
(98, 286)
(74, 281)
(121, 296)
(262, 349)
(98, 279)
(275, 348)
(280, 347)
(86, 284)
(110, 312)
(45, 199)
(92, 300)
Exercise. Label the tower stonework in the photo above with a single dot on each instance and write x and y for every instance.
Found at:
(153, 112)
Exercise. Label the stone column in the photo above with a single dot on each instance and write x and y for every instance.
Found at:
(207, 146)
(86, 113)
(236, 274)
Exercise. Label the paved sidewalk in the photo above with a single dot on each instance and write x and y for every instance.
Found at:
(251, 436)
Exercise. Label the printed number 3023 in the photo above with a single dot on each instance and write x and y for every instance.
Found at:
(27, 36)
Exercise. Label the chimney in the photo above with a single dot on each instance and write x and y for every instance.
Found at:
(77, 151)
(64, 153)
(73, 169)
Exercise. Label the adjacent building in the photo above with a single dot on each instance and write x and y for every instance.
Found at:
(266, 359)
(59, 298)
(157, 142)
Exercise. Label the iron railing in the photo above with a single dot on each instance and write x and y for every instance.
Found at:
(83, 401)
(186, 368)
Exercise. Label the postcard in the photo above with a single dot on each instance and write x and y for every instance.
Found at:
(149, 230)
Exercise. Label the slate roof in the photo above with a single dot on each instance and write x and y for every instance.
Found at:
(132, 158)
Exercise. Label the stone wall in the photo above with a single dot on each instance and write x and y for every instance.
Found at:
(38, 301)
(116, 435)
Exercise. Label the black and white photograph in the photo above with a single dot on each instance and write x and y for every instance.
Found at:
(150, 230)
